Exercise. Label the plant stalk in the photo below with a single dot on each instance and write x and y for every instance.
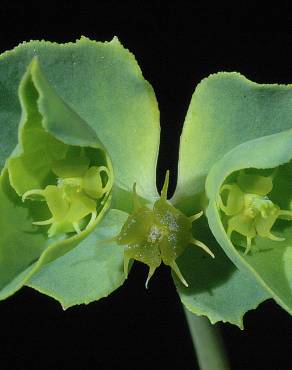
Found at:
(207, 342)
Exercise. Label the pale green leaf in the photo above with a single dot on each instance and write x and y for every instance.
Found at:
(89, 272)
(217, 289)
(105, 87)
(25, 247)
(226, 110)
(269, 261)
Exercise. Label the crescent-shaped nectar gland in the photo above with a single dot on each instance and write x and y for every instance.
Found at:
(73, 200)
(156, 235)
(248, 208)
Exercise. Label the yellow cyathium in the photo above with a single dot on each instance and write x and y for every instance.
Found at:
(157, 235)
(75, 195)
(249, 210)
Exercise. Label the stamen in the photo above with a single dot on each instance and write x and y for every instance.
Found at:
(196, 216)
(43, 223)
(76, 227)
(150, 274)
(32, 192)
(287, 215)
(203, 246)
(165, 186)
(248, 245)
(275, 238)
(92, 219)
(175, 268)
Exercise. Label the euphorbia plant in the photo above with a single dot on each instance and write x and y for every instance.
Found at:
(78, 197)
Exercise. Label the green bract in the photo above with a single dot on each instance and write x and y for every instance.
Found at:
(270, 254)
(65, 171)
(88, 105)
(89, 134)
(55, 152)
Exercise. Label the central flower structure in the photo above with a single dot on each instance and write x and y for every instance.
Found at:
(157, 235)
(248, 208)
(74, 197)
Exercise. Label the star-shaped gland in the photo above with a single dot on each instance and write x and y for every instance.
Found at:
(248, 209)
(157, 235)
(74, 197)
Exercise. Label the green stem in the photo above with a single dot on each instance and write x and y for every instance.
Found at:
(207, 342)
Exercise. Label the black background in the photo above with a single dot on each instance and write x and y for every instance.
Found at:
(176, 45)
